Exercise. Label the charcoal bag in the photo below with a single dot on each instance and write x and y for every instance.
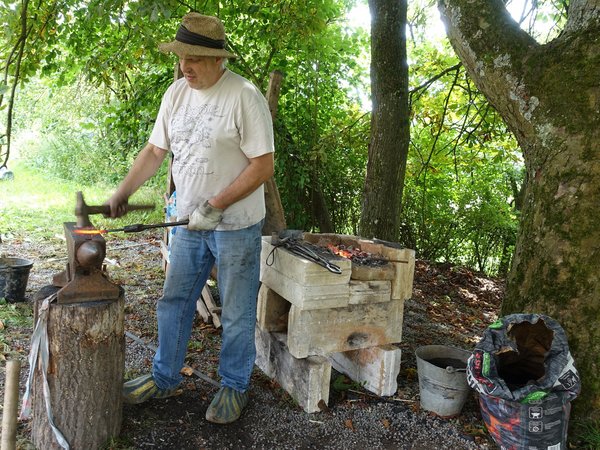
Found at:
(526, 379)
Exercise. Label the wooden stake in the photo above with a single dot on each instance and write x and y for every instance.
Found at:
(11, 400)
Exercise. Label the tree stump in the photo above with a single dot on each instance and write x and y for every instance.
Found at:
(85, 375)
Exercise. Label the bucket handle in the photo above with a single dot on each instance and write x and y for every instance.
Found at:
(451, 369)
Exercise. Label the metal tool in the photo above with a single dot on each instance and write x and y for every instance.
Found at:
(304, 250)
(83, 210)
(84, 278)
(141, 227)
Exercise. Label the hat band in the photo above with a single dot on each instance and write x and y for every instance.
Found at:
(188, 37)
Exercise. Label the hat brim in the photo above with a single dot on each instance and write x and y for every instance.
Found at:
(181, 49)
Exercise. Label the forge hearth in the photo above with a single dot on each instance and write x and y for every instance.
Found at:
(309, 286)
(310, 318)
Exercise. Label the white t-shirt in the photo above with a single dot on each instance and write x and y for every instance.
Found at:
(212, 133)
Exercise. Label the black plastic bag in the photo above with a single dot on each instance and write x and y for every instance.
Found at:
(526, 378)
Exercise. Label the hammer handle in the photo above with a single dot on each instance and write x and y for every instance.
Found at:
(105, 209)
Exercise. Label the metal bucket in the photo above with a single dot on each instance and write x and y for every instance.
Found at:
(14, 275)
(442, 379)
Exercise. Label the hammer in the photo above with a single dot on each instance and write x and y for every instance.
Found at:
(83, 211)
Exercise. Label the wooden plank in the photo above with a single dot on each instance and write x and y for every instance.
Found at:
(164, 250)
(362, 292)
(272, 310)
(402, 284)
(367, 245)
(398, 254)
(307, 380)
(213, 309)
(376, 367)
(274, 218)
(365, 272)
(325, 331)
(203, 311)
(302, 270)
(305, 296)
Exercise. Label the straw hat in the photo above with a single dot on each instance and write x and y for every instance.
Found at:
(198, 35)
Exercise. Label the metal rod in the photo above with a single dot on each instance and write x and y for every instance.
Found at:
(141, 227)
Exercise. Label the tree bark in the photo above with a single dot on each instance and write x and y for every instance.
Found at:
(275, 218)
(549, 97)
(85, 374)
(390, 132)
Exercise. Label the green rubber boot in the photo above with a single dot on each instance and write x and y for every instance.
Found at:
(144, 388)
(226, 406)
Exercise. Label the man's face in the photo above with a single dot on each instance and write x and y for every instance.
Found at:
(201, 72)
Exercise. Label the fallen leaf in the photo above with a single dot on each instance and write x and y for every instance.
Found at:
(348, 423)
(323, 406)
(187, 371)
(385, 423)
(416, 407)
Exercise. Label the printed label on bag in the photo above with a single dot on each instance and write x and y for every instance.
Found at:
(536, 412)
(568, 380)
(536, 426)
(550, 425)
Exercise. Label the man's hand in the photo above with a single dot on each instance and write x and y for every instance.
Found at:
(205, 217)
(118, 205)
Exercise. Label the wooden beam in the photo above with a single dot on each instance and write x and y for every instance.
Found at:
(272, 310)
(325, 331)
(213, 309)
(376, 367)
(306, 296)
(275, 218)
(362, 292)
(307, 380)
(302, 270)
(402, 284)
(203, 311)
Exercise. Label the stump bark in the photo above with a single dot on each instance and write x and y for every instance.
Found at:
(85, 374)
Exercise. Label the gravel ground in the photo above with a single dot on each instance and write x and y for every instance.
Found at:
(450, 306)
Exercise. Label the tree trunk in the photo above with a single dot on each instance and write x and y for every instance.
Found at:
(275, 218)
(85, 374)
(319, 207)
(390, 133)
(549, 96)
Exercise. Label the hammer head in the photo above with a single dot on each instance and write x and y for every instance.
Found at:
(82, 212)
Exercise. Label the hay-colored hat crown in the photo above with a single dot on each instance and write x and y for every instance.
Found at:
(199, 35)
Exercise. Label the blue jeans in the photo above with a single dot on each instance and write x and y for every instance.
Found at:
(193, 254)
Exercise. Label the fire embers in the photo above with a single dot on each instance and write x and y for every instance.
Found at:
(357, 256)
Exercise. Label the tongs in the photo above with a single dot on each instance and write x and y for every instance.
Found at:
(294, 244)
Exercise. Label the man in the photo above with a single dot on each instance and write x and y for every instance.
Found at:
(218, 127)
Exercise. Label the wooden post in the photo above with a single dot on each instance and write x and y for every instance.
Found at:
(11, 400)
(86, 343)
(275, 219)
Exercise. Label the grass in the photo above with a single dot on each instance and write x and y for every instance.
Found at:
(12, 317)
(34, 205)
(587, 434)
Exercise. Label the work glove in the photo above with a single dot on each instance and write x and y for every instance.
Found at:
(118, 206)
(205, 217)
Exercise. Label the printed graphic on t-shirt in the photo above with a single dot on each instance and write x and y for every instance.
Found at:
(191, 133)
